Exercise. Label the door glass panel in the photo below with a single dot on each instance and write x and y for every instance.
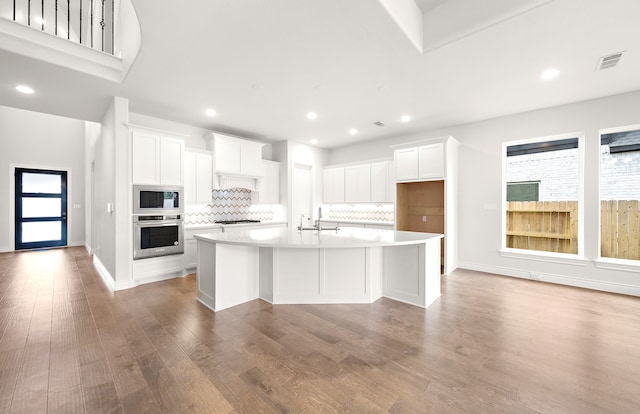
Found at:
(41, 183)
(41, 207)
(41, 231)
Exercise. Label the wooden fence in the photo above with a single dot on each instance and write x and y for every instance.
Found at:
(552, 226)
(620, 229)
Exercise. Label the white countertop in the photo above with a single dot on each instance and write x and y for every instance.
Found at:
(344, 238)
(345, 221)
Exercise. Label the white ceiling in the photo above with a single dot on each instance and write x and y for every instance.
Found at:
(264, 64)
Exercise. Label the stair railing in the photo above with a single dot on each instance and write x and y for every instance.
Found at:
(88, 22)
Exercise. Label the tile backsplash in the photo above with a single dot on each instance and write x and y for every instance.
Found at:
(231, 204)
(359, 212)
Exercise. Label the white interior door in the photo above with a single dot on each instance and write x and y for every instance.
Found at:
(301, 194)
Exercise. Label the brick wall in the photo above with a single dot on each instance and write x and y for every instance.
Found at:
(558, 172)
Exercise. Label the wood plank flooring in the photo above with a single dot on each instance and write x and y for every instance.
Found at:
(490, 344)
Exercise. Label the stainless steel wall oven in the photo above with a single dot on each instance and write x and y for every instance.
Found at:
(157, 235)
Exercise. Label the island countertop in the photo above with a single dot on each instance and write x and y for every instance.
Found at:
(347, 237)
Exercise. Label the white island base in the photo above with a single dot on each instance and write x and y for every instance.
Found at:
(283, 266)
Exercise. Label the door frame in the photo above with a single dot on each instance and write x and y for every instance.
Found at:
(293, 219)
(12, 199)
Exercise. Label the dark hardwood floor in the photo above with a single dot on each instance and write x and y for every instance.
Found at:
(490, 344)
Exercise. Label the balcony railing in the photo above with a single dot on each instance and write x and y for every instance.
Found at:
(87, 22)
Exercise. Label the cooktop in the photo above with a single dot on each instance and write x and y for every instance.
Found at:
(236, 221)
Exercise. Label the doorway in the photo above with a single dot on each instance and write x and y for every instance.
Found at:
(302, 192)
(40, 208)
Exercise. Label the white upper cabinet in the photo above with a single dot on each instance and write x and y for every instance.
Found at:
(198, 176)
(227, 153)
(171, 161)
(251, 158)
(431, 161)
(360, 183)
(237, 156)
(406, 164)
(146, 158)
(424, 160)
(382, 182)
(157, 159)
(333, 185)
(269, 187)
(357, 183)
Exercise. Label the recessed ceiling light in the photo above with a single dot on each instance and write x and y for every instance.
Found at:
(211, 112)
(549, 74)
(313, 141)
(312, 115)
(353, 131)
(24, 89)
(405, 118)
(39, 20)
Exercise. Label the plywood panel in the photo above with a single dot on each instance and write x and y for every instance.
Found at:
(420, 207)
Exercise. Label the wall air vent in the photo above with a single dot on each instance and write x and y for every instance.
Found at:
(609, 61)
(380, 124)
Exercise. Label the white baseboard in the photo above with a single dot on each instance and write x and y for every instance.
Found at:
(158, 278)
(555, 278)
(5, 249)
(104, 273)
(124, 284)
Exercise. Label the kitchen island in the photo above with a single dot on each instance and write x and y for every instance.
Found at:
(287, 266)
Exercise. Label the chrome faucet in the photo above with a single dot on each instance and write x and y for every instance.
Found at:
(301, 226)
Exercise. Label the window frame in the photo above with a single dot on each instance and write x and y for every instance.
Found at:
(539, 255)
(611, 263)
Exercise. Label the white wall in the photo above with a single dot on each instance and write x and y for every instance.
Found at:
(33, 139)
(92, 134)
(113, 230)
(480, 232)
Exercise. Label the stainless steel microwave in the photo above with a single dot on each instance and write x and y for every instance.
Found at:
(161, 200)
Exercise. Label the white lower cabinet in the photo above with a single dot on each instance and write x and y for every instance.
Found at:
(191, 244)
(155, 269)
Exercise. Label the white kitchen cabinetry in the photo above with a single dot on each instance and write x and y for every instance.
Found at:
(357, 184)
(382, 182)
(431, 161)
(157, 159)
(406, 164)
(372, 182)
(191, 246)
(237, 156)
(333, 185)
(198, 176)
(420, 162)
(269, 186)
(427, 191)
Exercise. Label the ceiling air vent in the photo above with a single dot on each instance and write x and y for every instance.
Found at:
(380, 124)
(609, 61)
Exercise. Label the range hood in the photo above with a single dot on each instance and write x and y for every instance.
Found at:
(228, 180)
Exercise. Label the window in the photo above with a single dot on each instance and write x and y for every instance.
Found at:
(542, 193)
(619, 193)
(523, 191)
